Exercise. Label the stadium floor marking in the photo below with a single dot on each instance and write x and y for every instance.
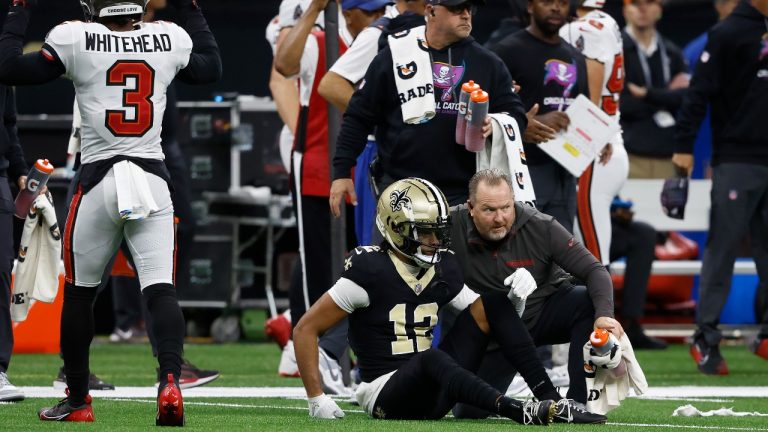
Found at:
(301, 408)
(227, 405)
(680, 392)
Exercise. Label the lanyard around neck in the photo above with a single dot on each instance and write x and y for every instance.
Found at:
(643, 58)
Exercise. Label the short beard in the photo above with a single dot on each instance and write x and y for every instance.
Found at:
(547, 29)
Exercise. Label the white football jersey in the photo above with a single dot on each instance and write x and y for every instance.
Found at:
(598, 37)
(120, 82)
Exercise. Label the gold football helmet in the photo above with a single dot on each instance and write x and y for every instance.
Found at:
(412, 215)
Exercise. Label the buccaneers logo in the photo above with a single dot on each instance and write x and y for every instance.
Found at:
(399, 198)
(407, 71)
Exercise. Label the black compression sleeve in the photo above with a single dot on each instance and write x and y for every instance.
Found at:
(17, 68)
(205, 61)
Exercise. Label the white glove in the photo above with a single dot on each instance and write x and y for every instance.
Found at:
(521, 283)
(324, 407)
(609, 360)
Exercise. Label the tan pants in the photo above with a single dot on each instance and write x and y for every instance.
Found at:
(645, 167)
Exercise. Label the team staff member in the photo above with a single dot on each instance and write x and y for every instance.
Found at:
(551, 74)
(12, 169)
(732, 76)
(427, 150)
(493, 236)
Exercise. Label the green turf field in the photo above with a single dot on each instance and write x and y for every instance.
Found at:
(254, 365)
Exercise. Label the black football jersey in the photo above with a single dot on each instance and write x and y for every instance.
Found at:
(402, 313)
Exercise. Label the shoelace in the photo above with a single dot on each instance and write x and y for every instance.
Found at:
(529, 411)
(4, 379)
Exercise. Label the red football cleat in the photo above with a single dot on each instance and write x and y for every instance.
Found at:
(708, 358)
(170, 405)
(760, 348)
(278, 329)
(62, 411)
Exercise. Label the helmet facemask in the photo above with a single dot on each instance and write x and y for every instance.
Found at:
(412, 216)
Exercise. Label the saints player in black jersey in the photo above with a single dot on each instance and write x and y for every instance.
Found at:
(392, 295)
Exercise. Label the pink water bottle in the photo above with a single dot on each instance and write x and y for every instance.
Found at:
(461, 120)
(477, 111)
(36, 180)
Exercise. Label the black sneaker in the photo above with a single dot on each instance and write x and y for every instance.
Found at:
(62, 411)
(94, 382)
(708, 358)
(192, 376)
(570, 411)
(538, 412)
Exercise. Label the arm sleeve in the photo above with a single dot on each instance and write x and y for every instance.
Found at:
(503, 98)
(463, 299)
(17, 68)
(17, 167)
(348, 295)
(705, 82)
(575, 259)
(362, 114)
(204, 66)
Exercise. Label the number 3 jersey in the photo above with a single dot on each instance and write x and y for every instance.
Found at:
(392, 312)
(121, 80)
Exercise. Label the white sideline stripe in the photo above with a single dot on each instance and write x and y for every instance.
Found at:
(678, 426)
(227, 405)
(298, 392)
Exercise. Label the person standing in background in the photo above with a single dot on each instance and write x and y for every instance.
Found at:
(656, 80)
(551, 75)
(692, 52)
(731, 77)
(12, 169)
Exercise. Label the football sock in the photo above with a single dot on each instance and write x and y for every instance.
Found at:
(459, 383)
(516, 344)
(168, 327)
(76, 336)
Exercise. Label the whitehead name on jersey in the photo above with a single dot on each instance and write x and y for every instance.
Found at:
(121, 80)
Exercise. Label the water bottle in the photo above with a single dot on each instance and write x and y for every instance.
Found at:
(477, 111)
(602, 344)
(461, 121)
(36, 180)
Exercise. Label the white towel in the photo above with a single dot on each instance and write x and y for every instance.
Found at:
(413, 75)
(606, 391)
(504, 151)
(37, 272)
(134, 197)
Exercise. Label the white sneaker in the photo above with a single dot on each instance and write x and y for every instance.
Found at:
(120, 335)
(288, 366)
(8, 391)
(330, 372)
